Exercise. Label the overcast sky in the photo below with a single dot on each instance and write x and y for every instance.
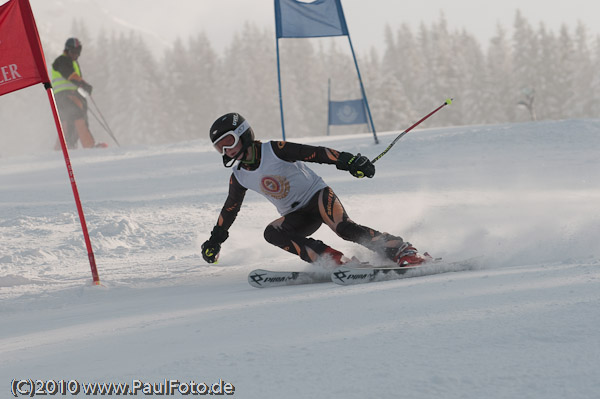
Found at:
(366, 19)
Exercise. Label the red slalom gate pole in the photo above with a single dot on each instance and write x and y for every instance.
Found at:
(65, 151)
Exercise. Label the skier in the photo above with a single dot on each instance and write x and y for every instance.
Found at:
(276, 170)
(66, 80)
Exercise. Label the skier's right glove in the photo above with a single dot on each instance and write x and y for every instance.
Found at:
(358, 165)
(212, 246)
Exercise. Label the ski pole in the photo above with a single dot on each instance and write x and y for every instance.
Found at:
(447, 102)
(97, 118)
(104, 123)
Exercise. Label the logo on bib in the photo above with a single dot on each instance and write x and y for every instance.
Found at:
(277, 187)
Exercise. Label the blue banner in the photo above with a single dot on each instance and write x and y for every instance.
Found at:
(321, 18)
(349, 112)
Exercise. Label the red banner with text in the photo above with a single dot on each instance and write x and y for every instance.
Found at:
(22, 62)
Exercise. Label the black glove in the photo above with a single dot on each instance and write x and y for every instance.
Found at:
(210, 251)
(212, 246)
(358, 165)
(86, 86)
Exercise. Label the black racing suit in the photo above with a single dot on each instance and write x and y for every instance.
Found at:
(291, 232)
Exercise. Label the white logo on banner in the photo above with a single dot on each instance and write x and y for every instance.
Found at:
(347, 114)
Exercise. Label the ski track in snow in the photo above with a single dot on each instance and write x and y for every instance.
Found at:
(523, 324)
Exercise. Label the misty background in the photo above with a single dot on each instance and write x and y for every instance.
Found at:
(156, 91)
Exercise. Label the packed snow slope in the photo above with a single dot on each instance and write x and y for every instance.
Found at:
(525, 324)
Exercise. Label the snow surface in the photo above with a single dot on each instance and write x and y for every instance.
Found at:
(524, 325)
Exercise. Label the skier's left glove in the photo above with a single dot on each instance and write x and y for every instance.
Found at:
(212, 246)
(358, 165)
(86, 86)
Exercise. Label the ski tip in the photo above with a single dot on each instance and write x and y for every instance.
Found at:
(449, 101)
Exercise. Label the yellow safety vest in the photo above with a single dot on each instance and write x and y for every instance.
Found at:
(59, 83)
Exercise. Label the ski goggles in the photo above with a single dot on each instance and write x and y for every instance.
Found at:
(231, 138)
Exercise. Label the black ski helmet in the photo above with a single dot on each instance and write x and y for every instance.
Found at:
(236, 125)
(73, 45)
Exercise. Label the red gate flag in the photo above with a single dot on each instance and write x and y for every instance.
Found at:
(22, 62)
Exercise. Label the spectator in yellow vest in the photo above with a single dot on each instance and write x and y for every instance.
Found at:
(67, 82)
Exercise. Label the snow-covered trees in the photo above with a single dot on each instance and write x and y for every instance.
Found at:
(152, 98)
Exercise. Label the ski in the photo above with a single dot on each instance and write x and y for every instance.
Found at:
(261, 278)
(357, 274)
(345, 275)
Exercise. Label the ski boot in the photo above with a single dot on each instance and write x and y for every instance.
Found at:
(336, 256)
(408, 256)
(340, 259)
